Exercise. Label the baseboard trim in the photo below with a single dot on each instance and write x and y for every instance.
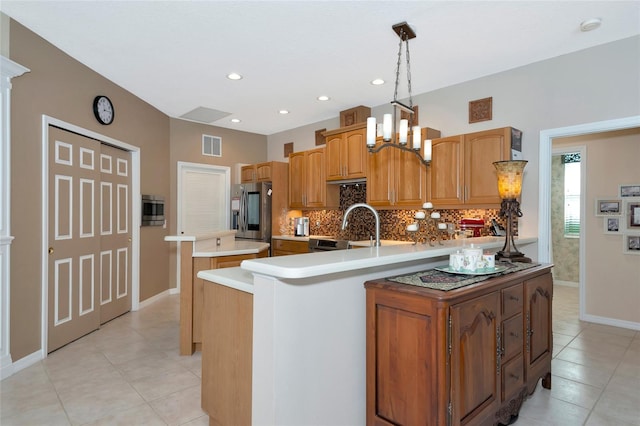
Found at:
(174, 291)
(21, 364)
(612, 322)
(153, 299)
(6, 367)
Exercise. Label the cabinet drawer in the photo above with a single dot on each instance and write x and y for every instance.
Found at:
(512, 337)
(291, 246)
(512, 377)
(512, 300)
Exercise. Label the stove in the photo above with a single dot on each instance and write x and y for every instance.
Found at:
(327, 244)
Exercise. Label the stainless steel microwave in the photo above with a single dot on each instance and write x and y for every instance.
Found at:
(152, 210)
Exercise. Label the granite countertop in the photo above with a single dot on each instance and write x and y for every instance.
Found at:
(294, 238)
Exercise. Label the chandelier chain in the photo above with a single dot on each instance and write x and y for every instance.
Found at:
(395, 93)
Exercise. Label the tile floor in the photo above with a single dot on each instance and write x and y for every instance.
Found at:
(129, 373)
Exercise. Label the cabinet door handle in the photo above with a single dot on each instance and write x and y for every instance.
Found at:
(514, 376)
(514, 298)
(515, 334)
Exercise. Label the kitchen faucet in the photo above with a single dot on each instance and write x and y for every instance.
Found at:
(366, 206)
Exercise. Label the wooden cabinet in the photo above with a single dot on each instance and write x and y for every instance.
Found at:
(396, 179)
(465, 356)
(346, 153)
(191, 292)
(281, 247)
(462, 171)
(261, 172)
(307, 181)
(227, 357)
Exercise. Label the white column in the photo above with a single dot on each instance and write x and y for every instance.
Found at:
(8, 70)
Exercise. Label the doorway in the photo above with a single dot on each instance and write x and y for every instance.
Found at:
(71, 283)
(544, 185)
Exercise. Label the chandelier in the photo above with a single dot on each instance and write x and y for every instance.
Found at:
(406, 128)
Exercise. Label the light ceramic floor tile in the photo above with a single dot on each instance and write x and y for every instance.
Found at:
(589, 359)
(542, 407)
(576, 393)
(180, 407)
(599, 419)
(580, 373)
(200, 421)
(139, 415)
(623, 406)
(154, 387)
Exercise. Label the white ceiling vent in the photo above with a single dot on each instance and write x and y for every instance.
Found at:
(212, 146)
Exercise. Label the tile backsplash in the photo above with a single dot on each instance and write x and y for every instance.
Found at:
(393, 223)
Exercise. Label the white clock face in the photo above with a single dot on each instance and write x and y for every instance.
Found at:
(103, 110)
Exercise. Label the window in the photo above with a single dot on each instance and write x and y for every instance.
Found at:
(571, 195)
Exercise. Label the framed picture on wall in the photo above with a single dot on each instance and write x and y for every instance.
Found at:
(630, 190)
(631, 243)
(612, 224)
(608, 207)
(632, 214)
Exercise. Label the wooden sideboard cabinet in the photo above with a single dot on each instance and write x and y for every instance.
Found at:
(468, 356)
(462, 171)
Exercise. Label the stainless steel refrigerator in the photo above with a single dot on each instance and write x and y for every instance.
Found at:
(251, 211)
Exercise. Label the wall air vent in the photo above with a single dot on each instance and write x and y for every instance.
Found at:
(212, 146)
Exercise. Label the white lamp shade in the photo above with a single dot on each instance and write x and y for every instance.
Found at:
(386, 127)
(404, 129)
(371, 131)
(416, 137)
(427, 149)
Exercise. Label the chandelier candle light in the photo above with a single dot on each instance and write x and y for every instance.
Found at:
(406, 33)
(510, 188)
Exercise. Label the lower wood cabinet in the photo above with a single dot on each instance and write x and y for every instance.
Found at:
(191, 296)
(286, 247)
(468, 356)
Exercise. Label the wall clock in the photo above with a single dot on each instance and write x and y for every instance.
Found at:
(103, 109)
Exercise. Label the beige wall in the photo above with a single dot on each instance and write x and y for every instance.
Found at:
(186, 145)
(60, 87)
(612, 278)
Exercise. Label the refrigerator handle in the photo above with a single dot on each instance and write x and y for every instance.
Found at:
(242, 216)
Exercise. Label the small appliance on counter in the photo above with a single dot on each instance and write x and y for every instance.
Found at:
(473, 224)
(301, 226)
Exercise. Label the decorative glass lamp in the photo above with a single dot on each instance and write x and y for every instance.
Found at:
(510, 188)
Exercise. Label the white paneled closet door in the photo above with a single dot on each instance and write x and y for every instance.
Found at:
(115, 233)
(89, 236)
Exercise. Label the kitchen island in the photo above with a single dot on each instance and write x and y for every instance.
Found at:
(215, 250)
(307, 332)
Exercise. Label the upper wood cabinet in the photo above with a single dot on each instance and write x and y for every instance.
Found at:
(397, 179)
(307, 181)
(462, 171)
(346, 153)
(261, 172)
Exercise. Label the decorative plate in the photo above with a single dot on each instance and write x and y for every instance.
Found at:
(485, 271)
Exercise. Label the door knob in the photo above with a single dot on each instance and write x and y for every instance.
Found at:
(50, 250)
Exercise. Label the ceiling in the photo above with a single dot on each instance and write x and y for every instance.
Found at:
(176, 55)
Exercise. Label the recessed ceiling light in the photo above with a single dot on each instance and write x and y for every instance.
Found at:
(235, 120)
(234, 76)
(590, 24)
(283, 111)
(377, 82)
(323, 98)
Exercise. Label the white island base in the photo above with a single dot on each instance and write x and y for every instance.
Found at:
(309, 351)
